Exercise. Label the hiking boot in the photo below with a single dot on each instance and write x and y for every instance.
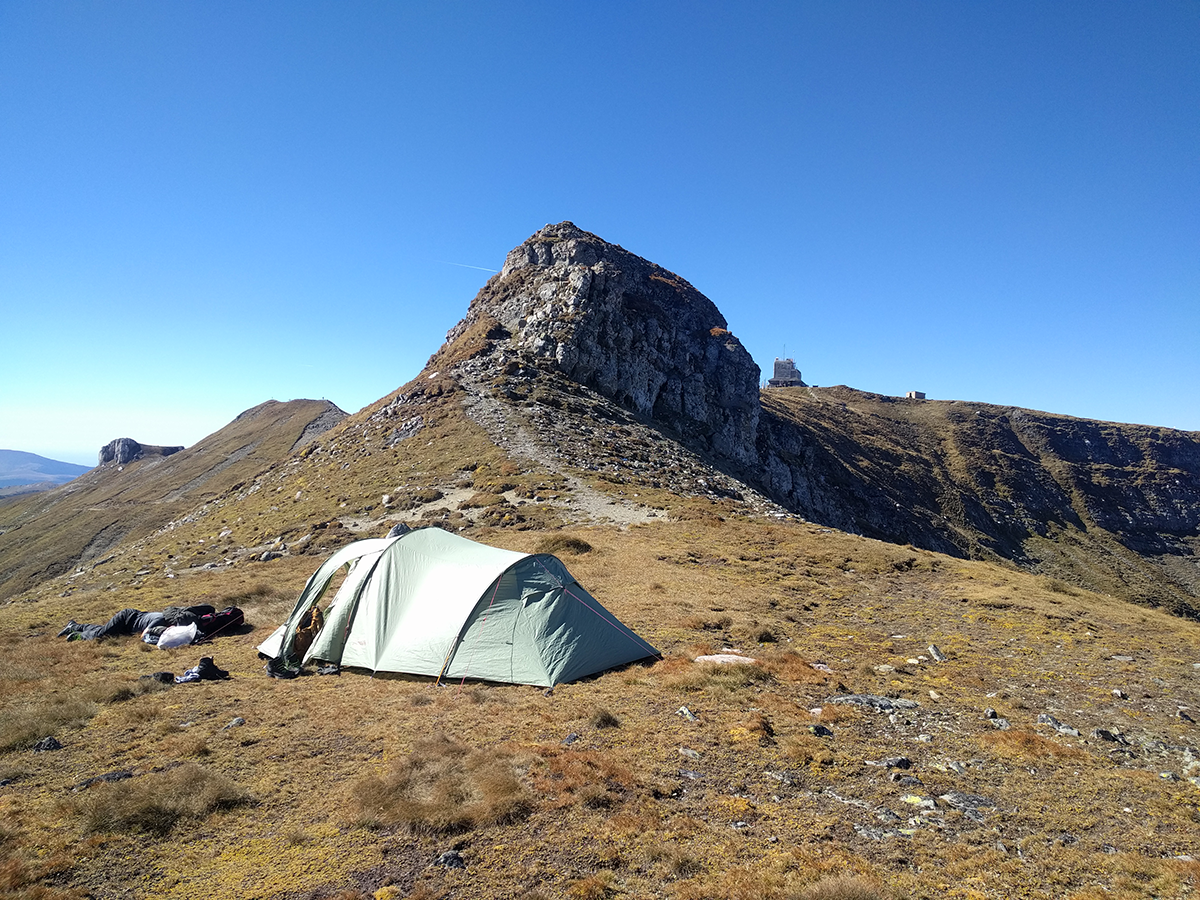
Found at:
(75, 636)
(70, 628)
(208, 669)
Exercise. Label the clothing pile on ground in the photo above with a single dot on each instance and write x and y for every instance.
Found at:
(205, 670)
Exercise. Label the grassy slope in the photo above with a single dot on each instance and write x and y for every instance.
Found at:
(337, 787)
(996, 477)
(49, 534)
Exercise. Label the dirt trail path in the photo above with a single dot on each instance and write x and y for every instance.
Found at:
(584, 503)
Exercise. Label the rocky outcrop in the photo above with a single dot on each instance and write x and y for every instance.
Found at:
(1088, 502)
(627, 328)
(126, 450)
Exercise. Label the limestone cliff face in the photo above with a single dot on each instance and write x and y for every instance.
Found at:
(1112, 507)
(631, 330)
(125, 450)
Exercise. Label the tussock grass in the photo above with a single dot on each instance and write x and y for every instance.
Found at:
(716, 679)
(443, 787)
(562, 544)
(602, 718)
(1028, 745)
(808, 750)
(26, 724)
(845, 887)
(584, 777)
(789, 666)
(252, 596)
(155, 803)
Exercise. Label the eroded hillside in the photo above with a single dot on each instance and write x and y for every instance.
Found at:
(1115, 508)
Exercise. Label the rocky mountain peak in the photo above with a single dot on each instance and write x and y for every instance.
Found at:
(631, 330)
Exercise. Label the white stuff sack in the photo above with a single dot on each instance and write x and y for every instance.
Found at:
(177, 636)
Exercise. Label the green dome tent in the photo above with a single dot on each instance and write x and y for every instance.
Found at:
(432, 603)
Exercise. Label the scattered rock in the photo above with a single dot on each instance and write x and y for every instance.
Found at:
(725, 659)
(1121, 658)
(46, 743)
(689, 753)
(236, 722)
(937, 654)
(1000, 724)
(918, 801)
(990, 713)
(106, 777)
(1047, 719)
(570, 739)
(882, 704)
(1120, 694)
(820, 731)
(687, 714)
(451, 859)
(962, 801)
(891, 762)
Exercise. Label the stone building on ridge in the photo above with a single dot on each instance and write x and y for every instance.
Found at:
(786, 374)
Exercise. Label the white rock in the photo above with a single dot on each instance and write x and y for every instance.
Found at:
(725, 659)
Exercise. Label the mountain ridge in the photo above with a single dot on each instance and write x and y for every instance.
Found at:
(613, 369)
(905, 723)
(50, 533)
(20, 468)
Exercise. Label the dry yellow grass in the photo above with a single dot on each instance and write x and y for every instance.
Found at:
(342, 790)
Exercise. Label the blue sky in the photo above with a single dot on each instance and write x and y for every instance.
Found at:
(207, 205)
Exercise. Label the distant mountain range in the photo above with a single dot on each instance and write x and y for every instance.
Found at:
(30, 471)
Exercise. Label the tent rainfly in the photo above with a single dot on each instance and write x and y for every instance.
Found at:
(433, 603)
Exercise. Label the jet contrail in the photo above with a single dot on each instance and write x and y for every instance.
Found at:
(465, 266)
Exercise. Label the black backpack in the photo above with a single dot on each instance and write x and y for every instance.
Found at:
(223, 622)
(185, 615)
